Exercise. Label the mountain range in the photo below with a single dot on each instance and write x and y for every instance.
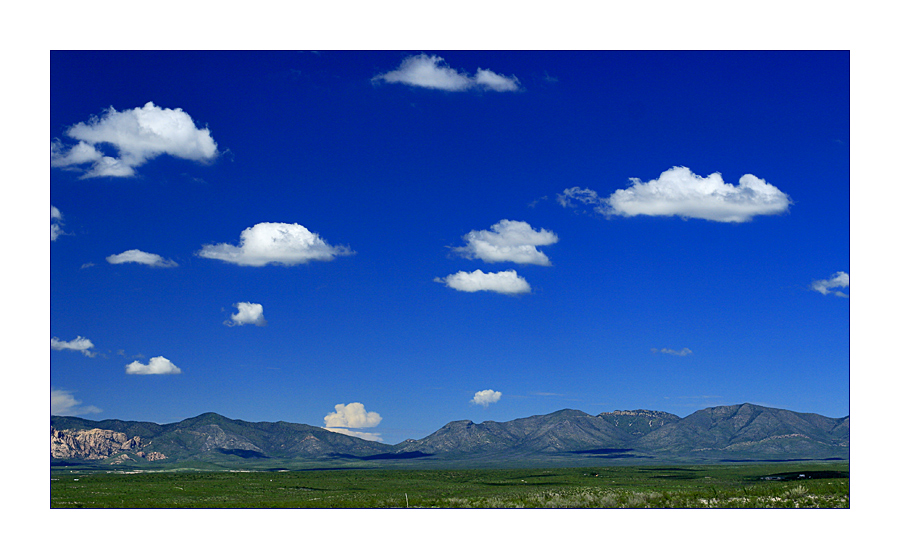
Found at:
(744, 432)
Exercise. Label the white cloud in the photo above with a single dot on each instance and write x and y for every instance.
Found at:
(156, 366)
(508, 282)
(78, 154)
(344, 418)
(831, 285)
(248, 313)
(431, 72)
(56, 220)
(62, 402)
(684, 352)
(141, 257)
(138, 135)
(352, 415)
(274, 243)
(485, 397)
(679, 192)
(81, 344)
(492, 80)
(509, 241)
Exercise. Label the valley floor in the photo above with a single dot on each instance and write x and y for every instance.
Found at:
(769, 485)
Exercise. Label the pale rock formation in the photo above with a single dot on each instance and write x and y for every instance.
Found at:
(96, 444)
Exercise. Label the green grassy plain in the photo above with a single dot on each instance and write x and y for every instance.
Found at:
(795, 485)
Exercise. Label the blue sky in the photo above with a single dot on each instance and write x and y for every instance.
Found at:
(381, 242)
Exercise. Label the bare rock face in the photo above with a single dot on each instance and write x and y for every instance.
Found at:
(151, 456)
(94, 444)
(310, 444)
(119, 459)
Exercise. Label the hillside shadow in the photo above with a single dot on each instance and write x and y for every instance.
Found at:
(386, 456)
(241, 453)
(605, 452)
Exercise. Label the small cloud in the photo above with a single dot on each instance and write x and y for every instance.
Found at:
(87, 265)
(138, 135)
(81, 344)
(830, 286)
(507, 283)
(684, 352)
(679, 192)
(431, 72)
(141, 257)
(62, 402)
(536, 201)
(485, 397)
(508, 241)
(56, 221)
(353, 416)
(576, 194)
(156, 366)
(248, 313)
(274, 243)
(495, 82)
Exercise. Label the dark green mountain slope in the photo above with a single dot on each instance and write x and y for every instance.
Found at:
(211, 437)
(561, 431)
(740, 432)
(751, 431)
(639, 422)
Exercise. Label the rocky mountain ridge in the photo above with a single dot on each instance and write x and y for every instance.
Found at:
(96, 444)
(723, 433)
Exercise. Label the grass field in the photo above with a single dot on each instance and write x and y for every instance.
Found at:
(821, 485)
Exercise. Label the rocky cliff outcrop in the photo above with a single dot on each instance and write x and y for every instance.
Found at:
(95, 444)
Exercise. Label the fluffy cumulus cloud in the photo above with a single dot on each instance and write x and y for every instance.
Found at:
(486, 397)
(679, 192)
(353, 415)
(62, 402)
(156, 366)
(832, 285)
(507, 283)
(432, 72)
(248, 313)
(347, 417)
(137, 135)
(141, 257)
(56, 220)
(274, 243)
(508, 241)
(684, 352)
(81, 344)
